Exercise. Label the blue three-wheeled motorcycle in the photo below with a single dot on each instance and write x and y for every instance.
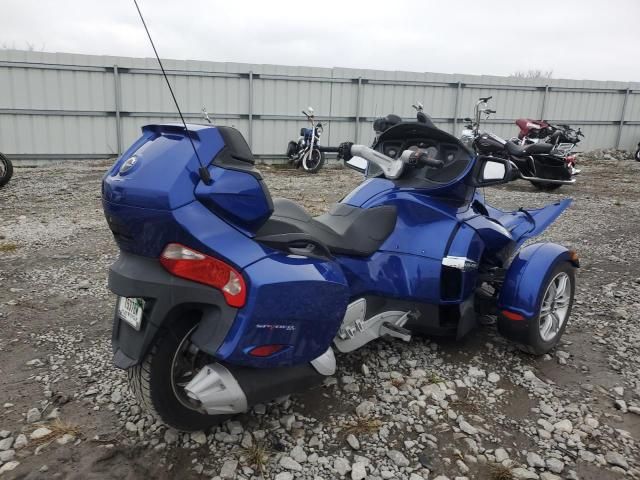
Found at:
(228, 297)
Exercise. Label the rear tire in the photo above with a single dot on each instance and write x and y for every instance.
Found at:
(637, 156)
(546, 187)
(152, 381)
(536, 342)
(314, 162)
(292, 150)
(6, 170)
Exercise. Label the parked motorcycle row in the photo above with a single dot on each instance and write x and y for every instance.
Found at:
(542, 152)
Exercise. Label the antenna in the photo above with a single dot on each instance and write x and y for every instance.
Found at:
(203, 171)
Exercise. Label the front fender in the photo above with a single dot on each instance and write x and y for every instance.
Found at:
(522, 288)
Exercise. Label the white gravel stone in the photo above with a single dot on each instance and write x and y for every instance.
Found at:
(199, 437)
(170, 436)
(298, 454)
(501, 455)
(7, 455)
(493, 377)
(563, 426)
(9, 466)
(290, 464)
(365, 408)
(398, 458)
(341, 466)
(21, 441)
(555, 465)
(229, 469)
(467, 428)
(353, 441)
(39, 433)
(535, 460)
(524, 474)
(614, 458)
(6, 443)
(284, 476)
(4, 433)
(33, 415)
(358, 471)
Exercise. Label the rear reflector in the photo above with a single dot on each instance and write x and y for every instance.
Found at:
(512, 315)
(187, 263)
(265, 350)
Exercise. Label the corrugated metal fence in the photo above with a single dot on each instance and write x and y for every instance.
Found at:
(58, 105)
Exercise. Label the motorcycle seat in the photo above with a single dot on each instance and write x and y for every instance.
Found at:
(344, 230)
(533, 149)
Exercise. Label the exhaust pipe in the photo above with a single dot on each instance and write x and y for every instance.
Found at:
(228, 389)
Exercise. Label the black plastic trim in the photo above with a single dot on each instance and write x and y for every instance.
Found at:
(166, 297)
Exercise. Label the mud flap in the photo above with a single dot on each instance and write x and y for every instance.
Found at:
(467, 318)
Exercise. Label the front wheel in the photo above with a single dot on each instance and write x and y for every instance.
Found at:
(158, 381)
(314, 161)
(637, 157)
(6, 170)
(546, 329)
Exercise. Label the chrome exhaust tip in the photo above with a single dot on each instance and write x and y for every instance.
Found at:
(217, 390)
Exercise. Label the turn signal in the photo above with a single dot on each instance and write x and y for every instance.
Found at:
(511, 315)
(187, 263)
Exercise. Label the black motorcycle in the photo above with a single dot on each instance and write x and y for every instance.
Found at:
(545, 166)
(6, 170)
(305, 152)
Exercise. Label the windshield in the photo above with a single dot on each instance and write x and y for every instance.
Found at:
(435, 142)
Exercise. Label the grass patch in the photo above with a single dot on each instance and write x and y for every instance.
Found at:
(8, 247)
(361, 426)
(58, 429)
(257, 456)
(433, 377)
(500, 472)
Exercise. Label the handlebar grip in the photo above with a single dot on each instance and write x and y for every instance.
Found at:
(491, 111)
(424, 159)
(485, 99)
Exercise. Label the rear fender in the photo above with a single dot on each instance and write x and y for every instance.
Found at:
(522, 289)
(525, 224)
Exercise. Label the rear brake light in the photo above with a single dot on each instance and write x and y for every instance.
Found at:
(512, 315)
(187, 263)
(266, 350)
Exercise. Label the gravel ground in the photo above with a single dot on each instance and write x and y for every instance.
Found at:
(429, 409)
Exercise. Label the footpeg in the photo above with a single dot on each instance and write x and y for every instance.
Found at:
(388, 328)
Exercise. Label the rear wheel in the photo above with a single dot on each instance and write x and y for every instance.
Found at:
(546, 187)
(637, 157)
(158, 381)
(6, 170)
(292, 150)
(546, 329)
(313, 162)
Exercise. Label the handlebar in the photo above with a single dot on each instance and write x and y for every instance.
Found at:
(418, 158)
(485, 99)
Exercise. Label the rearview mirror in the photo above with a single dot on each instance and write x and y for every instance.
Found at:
(492, 171)
(357, 163)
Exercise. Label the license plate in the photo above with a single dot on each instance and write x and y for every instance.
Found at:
(130, 310)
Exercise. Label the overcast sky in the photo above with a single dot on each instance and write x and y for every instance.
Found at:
(581, 39)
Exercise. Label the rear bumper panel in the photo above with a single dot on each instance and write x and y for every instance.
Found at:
(165, 297)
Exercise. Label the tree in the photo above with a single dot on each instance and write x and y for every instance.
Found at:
(535, 73)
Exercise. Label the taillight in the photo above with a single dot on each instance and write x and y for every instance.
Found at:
(512, 315)
(266, 350)
(187, 263)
